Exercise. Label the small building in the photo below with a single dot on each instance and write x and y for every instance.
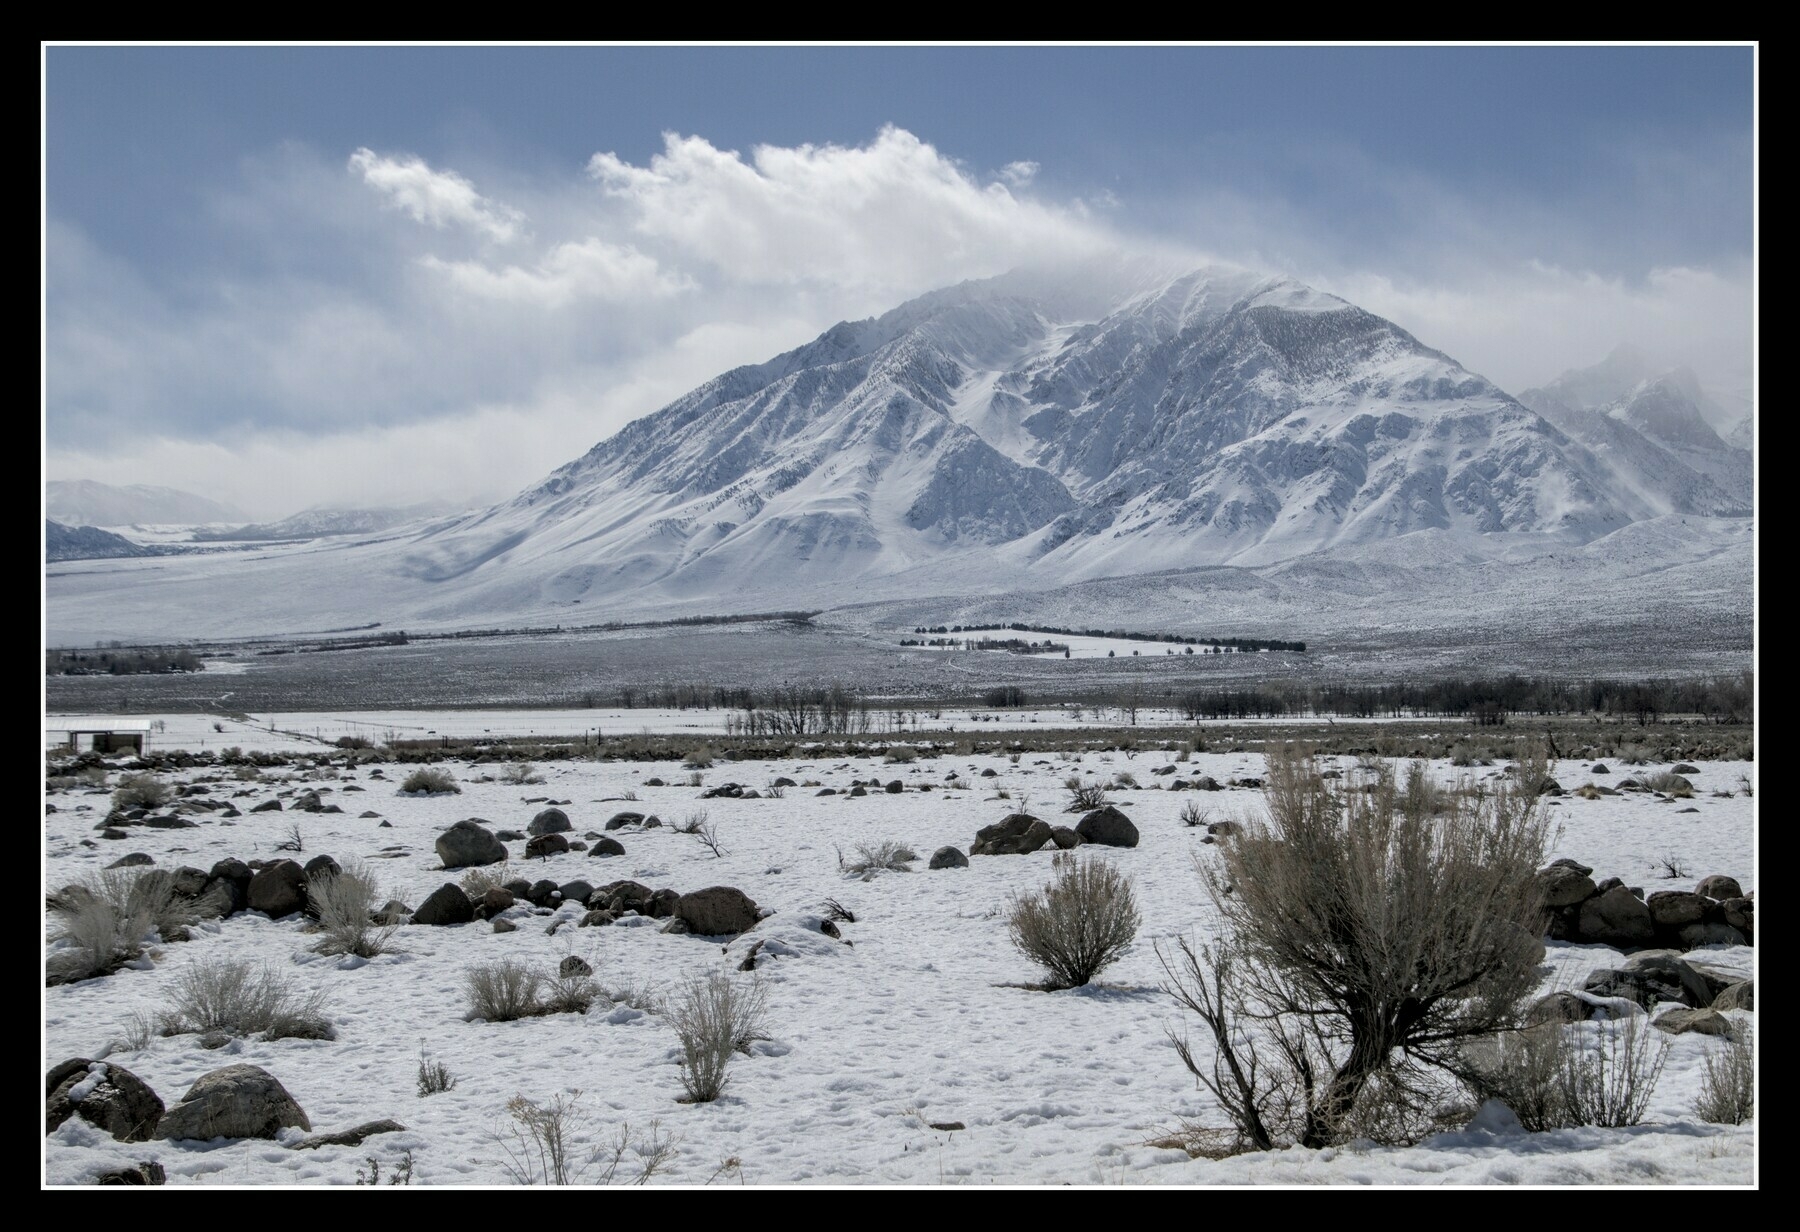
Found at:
(101, 735)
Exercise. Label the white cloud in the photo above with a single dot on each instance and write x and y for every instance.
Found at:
(894, 214)
(1524, 325)
(580, 269)
(435, 197)
(1019, 173)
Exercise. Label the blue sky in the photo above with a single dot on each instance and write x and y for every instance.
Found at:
(262, 256)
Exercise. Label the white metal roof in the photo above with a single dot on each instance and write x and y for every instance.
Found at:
(97, 725)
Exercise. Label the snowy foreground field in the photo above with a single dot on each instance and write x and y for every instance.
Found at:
(922, 1020)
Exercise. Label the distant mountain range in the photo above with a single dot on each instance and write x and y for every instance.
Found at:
(322, 523)
(86, 543)
(83, 502)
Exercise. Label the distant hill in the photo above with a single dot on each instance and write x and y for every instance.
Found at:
(86, 543)
(322, 523)
(83, 502)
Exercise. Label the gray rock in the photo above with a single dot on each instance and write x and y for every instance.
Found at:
(1693, 936)
(1684, 768)
(895, 787)
(1064, 838)
(1573, 865)
(322, 866)
(505, 926)
(469, 844)
(1720, 887)
(1109, 828)
(351, 1137)
(1557, 1007)
(1673, 908)
(1739, 996)
(1702, 1022)
(546, 845)
(574, 966)
(239, 1101)
(1617, 918)
(136, 859)
(120, 1102)
(618, 821)
(544, 893)
(577, 891)
(607, 847)
(446, 905)
(549, 821)
(1650, 977)
(717, 911)
(392, 912)
(663, 904)
(1564, 886)
(267, 806)
(948, 857)
(1017, 834)
(147, 1172)
(278, 889)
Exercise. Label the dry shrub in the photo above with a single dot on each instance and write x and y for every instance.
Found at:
(1368, 934)
(429, 781)
(1728, 1087)
(344, 903)
(1077, 925)
(715, 1017)
(880, 857)
(504, 990)
(235, 997)
(106, 918)
(143, 790)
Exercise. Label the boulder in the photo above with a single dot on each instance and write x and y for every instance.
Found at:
(136, 859)
(392, 912)
(278, 889)
(188, 881)
(1650, 977)
(546, 845)
(267, 806)
(1740, 913)
(446, 905)
(1684, 1022)
(1064, 837)
(663, 904)
(1017, 834)
(351, 1137)
(948, 857)
(544, 893)
(106, 1096)
(1684, 768)
(1673, 908)
(322, 866)
(1565, 886)
(1720, 887)
(1557, 1007)
(577, 891)
(469, 844)
(717, 911)
(549, 821)
(622, 896)
(573, 967)
(1108, 827)
(618, 821)
(239, 1101)
(494, 901)
(895, 787)
(1739, 996)
(1693, 936)
(1573, 865)
(1616, 917)
(146, 1172)
(607, 847)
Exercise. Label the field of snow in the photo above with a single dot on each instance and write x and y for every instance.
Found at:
(921, 1020)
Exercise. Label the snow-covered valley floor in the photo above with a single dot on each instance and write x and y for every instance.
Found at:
(920, 1021)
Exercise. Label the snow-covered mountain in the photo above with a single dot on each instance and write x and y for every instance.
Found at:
(1016, 434)
(1033, 430)
(84, 502)
(1654, 433)
(325, 522)
(86, 543)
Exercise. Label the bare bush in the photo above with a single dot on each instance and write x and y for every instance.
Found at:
(699, 825)
(879, 857)
(546, 1145)
(1368, 934)
(235, 997)
(344, 904)
(1728, 1087)
(106, 919)
(479, 880)
(1193, 814)
(695, 779)
(714, 1016)
(1523, 1070)
(142, 790)
(570, 994)
(1610, 1082)
(434, 1076)
(700, 759)
(504, 990)
(1077, 925)
(1670, 867)
(520, 774)
(429, 781)
(1084, 797)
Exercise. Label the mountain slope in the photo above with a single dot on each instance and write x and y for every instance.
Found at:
(86, 543)
(83, 502)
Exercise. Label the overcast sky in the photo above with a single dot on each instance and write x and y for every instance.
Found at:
(288, 277)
